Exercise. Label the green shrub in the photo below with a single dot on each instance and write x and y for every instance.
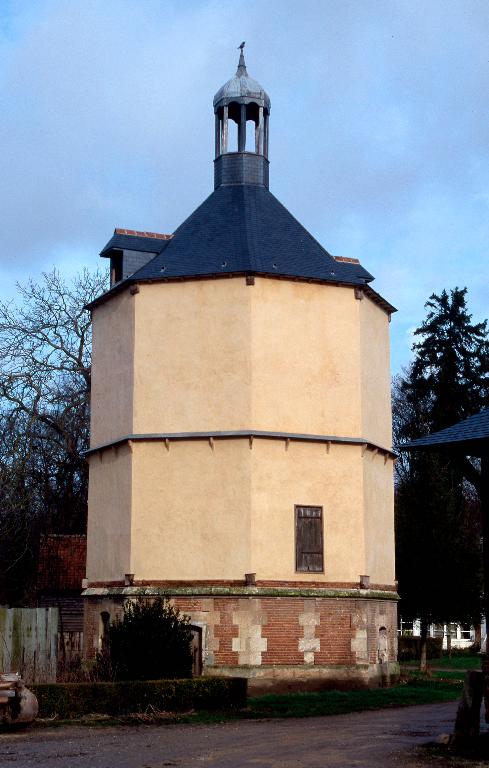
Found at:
(67, 700)
(409, 648)
(150, 642)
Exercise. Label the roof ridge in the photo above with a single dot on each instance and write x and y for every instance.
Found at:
(138, 233)
(346, 259)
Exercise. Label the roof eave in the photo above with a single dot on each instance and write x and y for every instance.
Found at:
(378, 299)
(113, 291)
(123, 284)
(468, 447)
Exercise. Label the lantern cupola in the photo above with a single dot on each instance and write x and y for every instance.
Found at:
(241, 155)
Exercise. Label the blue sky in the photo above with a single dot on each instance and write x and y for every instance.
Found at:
(379, 135)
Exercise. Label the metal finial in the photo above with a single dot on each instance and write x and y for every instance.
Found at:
(241, 71)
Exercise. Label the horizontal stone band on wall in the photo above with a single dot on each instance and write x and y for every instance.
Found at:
(250, 435)
(152, 591)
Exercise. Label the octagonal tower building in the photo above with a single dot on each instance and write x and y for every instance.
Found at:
(240, 459)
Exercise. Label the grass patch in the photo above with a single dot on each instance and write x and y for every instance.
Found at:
(341, 702)
(458, 662)
(335, 702)
(436, 674)
(449, 662)
(449, 674)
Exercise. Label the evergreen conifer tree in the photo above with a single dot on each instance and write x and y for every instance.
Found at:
(438, 548)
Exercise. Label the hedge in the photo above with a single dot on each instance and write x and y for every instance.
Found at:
(67, 700)
(409, 648)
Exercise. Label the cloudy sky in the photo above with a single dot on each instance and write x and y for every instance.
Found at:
(379, 130)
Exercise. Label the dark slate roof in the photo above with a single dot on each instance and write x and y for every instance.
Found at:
(470, 435)
(134, 243)
(244, 228)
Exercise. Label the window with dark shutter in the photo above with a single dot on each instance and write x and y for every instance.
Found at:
(309, 539)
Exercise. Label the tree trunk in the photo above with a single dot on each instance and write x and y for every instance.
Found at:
(423, 667)
(478, 636)
(449, 641)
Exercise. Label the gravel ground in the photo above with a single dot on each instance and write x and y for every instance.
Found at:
(365, 739)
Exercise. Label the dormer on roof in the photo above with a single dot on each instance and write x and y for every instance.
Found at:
(129, 250)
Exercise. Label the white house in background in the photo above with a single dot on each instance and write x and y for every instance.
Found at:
(463, 635)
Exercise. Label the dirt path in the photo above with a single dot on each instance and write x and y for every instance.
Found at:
(364, 740)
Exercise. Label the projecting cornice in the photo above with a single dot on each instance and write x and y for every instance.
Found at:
(217, 591)
(250, 435)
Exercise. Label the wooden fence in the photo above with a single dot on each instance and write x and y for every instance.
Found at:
(70, 652)
(29, 643)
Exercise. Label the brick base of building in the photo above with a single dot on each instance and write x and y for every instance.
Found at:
(302, 639)
(293, 679)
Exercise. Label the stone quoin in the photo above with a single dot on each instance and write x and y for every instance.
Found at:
(240, 457)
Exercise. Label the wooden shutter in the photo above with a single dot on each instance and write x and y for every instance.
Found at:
(309, 539)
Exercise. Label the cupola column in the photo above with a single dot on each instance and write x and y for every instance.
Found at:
(242, 129)
(224, 135)
(217, 134)
(259, 133)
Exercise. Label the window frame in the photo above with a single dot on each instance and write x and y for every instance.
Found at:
(297, 508)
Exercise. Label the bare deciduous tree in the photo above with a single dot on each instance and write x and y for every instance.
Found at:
(45, 350)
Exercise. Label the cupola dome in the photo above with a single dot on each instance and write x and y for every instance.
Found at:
(242, 87)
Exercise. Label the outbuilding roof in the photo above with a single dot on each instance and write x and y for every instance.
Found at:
(470, 435)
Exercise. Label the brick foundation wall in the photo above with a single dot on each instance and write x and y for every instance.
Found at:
(257, 634)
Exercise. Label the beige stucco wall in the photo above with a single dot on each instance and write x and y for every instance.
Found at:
(305, 474)
(112, 369)
(202, 513)
(192, 356)
(375, 373)
(220, 355)
(191, 510)
(378, 486)
(109, 515)
(305, 358)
